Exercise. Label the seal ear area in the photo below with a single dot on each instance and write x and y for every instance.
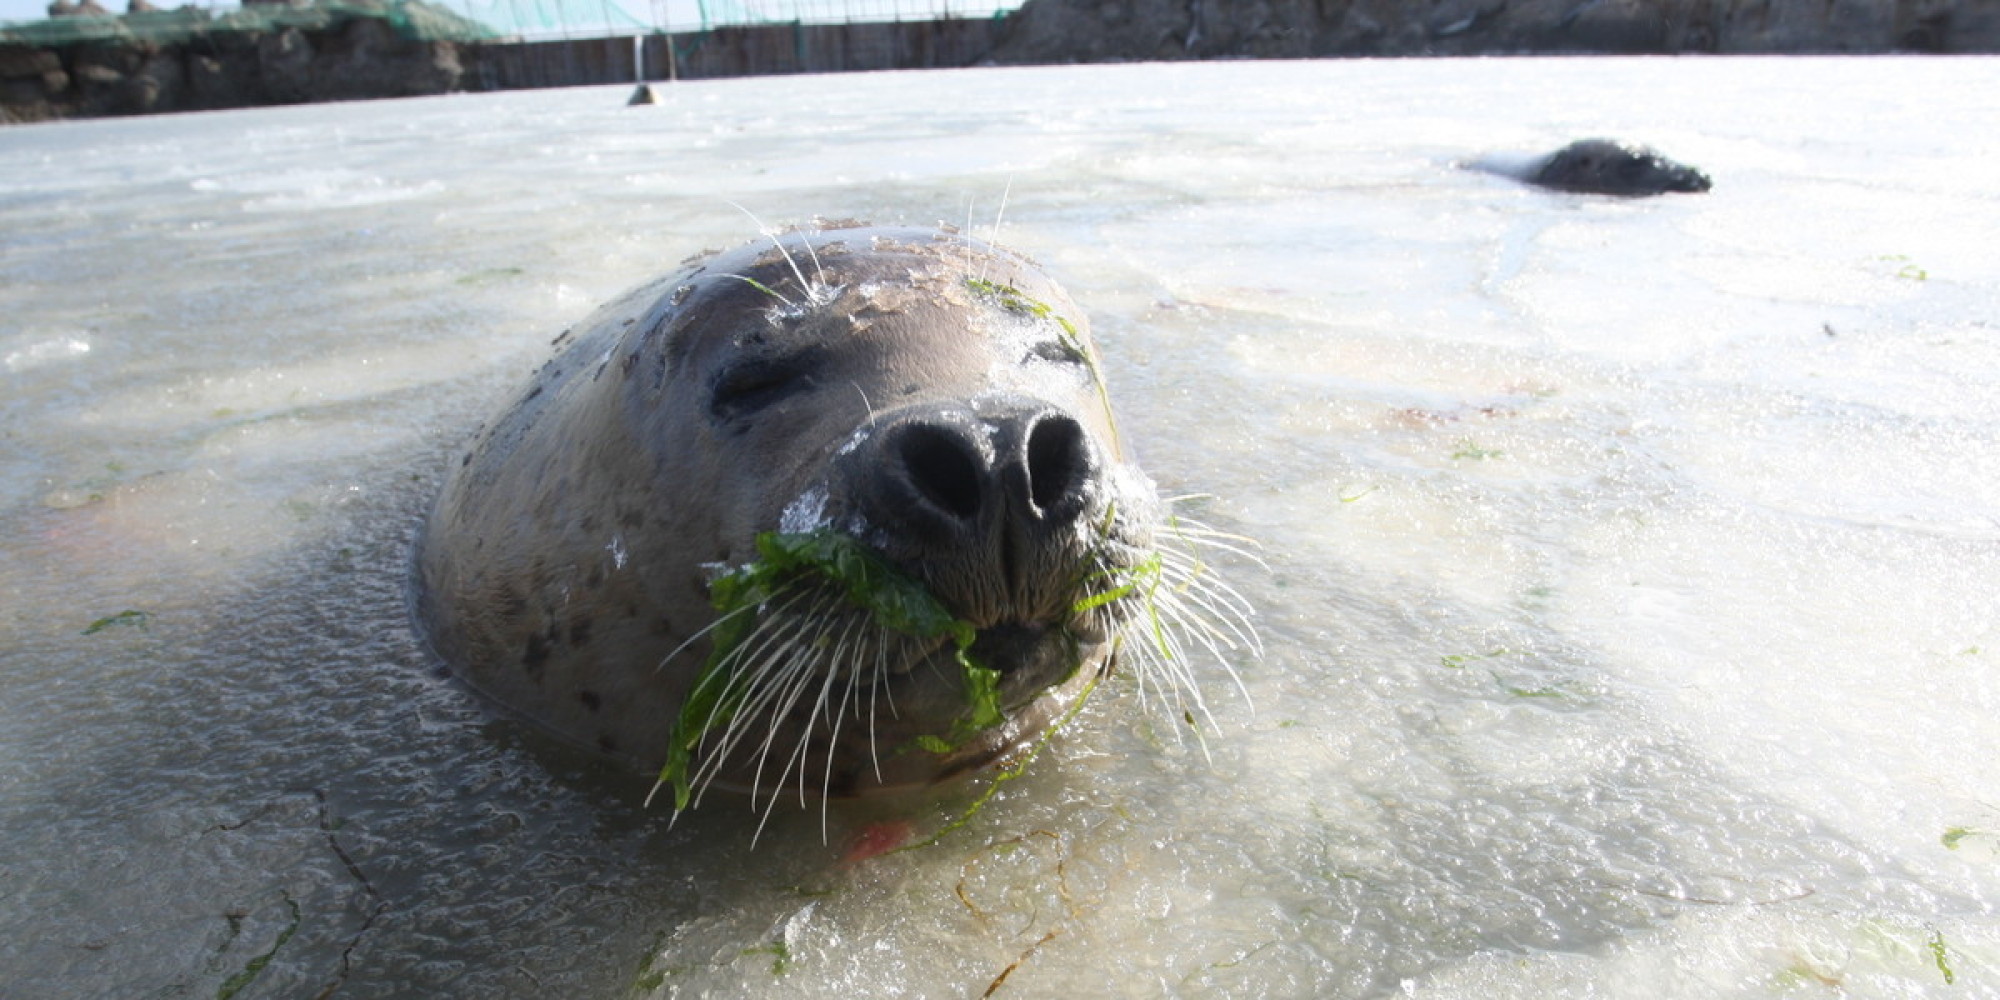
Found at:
(749, 386)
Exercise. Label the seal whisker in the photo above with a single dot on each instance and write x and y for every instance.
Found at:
(994, 236)
(1187, 525)
(797, 674)
(965, 235)
(1229, 625)
(1200, 583)
(1202, 629)
(771, 234)
(731, 667)
(1208, 607)
(1195, 536)
(878, 690)
(1223, 602)
(801, 752)
(882, 672)
(691, 640)
(796, 758)
(1204, 632)
(761, 683)
(788, 655)
(784, 695)
(819, 270)
(1005, 193)
(761, 690)
(795, 687)
(1157, 667)
(839, 713)
(1171, 624)
(867, 408)
(1191, 572)
(1176, 684)
(833, 670)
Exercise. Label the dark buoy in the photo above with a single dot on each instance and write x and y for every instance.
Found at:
(645, 94)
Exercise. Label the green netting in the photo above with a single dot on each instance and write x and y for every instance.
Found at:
(413, 19)
(532, 18)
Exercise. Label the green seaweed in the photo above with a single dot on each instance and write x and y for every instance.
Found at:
(1470, 449)
(649, 978)
(1146, 574)
(1009, 774)
(234, 984)
(781, 955)
(1937, 949)
(1014, 300)
(1458, 661)
(126, 618)
(1521, 692)
(760, 286)
(1909, 270)
(895, 600)
(1953, 836)
(1020, 303)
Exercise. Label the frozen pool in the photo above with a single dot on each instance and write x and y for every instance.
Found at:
(1631, 565)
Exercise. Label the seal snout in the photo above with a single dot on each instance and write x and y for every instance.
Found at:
(942, 478)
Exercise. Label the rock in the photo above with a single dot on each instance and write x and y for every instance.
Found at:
(94, 75)
(20, 62)
(284, 62)
(1059, 31)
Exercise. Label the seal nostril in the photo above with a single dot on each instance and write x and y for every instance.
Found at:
(943, 468)
(1058, 463)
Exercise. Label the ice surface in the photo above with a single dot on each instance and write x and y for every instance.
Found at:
(1630, 608)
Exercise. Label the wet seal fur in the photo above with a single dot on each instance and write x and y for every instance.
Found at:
(934, 400)
(1602, 166)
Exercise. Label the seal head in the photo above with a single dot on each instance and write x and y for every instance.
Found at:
(1608, 166)
(840, 511)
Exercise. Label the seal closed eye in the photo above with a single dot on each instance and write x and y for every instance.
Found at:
(717, 562)
(756, 383)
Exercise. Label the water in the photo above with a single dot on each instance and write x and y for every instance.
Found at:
(1630, 588)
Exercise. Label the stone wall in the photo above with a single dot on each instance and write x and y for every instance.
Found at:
(357, 58)
(364, 57)
(1046, 31)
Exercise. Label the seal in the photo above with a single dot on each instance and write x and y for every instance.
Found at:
(1608, 166)
(1602, 166)
(840, 511)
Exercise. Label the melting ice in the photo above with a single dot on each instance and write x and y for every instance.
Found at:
(1629, 610)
